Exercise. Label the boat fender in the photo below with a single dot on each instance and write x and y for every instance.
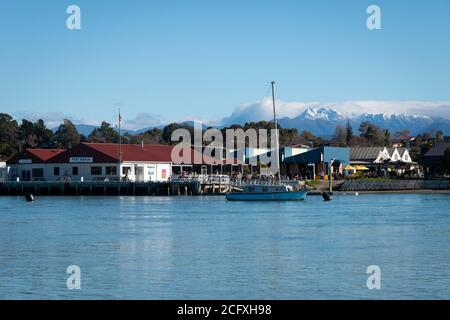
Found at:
(326, 196)
(29, 197)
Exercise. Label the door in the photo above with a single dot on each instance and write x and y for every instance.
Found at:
(139, 174)
(26, 175)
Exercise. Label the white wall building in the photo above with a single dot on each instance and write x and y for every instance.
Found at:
(94, 162)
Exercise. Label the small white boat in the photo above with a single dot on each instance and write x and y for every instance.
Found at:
(267, 193)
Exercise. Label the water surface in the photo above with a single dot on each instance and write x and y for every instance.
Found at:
(208, 248)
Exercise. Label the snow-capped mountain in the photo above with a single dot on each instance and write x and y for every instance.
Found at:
(321, 114)
(323, 121)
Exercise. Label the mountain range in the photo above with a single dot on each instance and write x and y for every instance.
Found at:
(323, 121)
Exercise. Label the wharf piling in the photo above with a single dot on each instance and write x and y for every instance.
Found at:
(106, 188)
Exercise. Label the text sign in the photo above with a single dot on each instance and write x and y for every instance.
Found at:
(25, 161)
(80, 160)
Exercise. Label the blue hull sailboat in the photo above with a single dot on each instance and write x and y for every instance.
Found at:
(269, 192)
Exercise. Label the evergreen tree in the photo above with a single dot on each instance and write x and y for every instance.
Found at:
(104, 134)
(349, 136)
(67, 135)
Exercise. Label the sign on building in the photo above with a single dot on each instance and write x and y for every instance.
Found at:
(80, 160)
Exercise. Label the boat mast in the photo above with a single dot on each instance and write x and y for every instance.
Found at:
(277, 149)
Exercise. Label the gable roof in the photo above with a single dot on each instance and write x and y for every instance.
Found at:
(135, 152)
(109, 153)
(35, 155)
(438, 150)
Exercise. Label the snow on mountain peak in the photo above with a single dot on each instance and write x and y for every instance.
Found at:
(321, 113)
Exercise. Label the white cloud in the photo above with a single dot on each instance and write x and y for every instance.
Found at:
(258, 110)
(52, 119)
(142, 120)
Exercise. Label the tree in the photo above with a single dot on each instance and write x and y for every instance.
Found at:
(167, 132)
(309, 138)
(44, 136)
(9, 136)
(387, 137)
(402, 133)
(104, 134)
(349, 137)
(446, 161)
(439, 136)
(35, 135)
(153, 136)
(373, 134)
(340, 136)
(67, 135)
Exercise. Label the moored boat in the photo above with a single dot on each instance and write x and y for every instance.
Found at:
(267, 193)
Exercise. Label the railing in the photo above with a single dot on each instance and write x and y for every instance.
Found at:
(203, 178)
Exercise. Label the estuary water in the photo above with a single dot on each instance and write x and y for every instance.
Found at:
(208, 248)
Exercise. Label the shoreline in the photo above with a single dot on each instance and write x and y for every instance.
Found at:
(419, 191)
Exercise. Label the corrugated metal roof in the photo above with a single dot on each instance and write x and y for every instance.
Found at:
(109, 153)
(36, 155)
(365, 153)
(45, 154)
(438, 150)
(135, 152)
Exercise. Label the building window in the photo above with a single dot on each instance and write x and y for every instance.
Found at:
(74, 171)
(151, 171)
(126, 170)
(96, 171)
(56, 171)
(38, 173)
(111, 171)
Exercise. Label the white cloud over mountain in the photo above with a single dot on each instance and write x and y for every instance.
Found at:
(262, 109)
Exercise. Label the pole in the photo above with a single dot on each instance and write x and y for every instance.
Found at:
(276, 133)
(120, 146)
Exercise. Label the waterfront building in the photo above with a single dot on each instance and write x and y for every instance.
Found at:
(383, 160)
(3, 172)
(109, 161)
(379, 155)
(30, 164)
(434, 159)
(316, 162)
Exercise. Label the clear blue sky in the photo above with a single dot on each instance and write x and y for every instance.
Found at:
(203, 58)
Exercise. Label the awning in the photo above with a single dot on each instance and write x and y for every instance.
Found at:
(361, 168)
(349, 167)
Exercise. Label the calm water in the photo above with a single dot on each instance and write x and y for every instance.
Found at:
(208, 248)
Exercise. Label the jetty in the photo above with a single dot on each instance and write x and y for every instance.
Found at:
(176, 186)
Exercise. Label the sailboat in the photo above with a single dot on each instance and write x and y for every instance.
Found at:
(272, 192)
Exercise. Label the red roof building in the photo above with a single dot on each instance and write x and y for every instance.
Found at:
(107, 161)
(34, 156)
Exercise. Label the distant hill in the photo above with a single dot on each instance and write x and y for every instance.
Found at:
(323, 121)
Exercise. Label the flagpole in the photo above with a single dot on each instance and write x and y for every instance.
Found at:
(120, 145)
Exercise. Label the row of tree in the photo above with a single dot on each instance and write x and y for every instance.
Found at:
(15, 137)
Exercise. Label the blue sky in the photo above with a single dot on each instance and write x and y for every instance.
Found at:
(173, 60)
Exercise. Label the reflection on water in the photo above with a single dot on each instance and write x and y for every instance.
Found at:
(208, 248)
